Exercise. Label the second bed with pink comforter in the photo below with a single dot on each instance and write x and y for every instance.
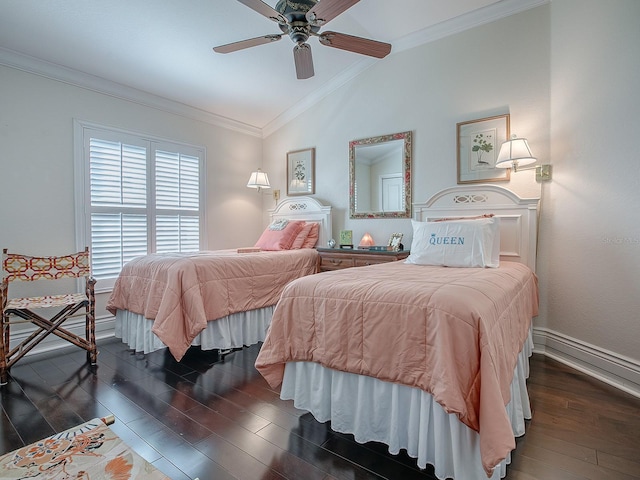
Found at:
(452, 332)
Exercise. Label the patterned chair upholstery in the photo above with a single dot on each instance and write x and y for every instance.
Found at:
(17, 267)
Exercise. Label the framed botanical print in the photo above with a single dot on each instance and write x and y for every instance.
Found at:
(478, 144)
(301, 172)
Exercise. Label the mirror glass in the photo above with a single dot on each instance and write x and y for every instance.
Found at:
(380, 176)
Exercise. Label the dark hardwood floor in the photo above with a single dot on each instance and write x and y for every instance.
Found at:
(231, 425)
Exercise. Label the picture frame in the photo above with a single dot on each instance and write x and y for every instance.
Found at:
(346, 239)
(395, 241)
(478, 144)
(301, 172)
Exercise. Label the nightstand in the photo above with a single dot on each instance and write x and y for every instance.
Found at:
(339, 258)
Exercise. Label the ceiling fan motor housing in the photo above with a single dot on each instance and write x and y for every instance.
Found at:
(295, 10)
(298, 28)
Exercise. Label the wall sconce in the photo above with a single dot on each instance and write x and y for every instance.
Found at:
(258, 180)
(366, 242)
(515, 153)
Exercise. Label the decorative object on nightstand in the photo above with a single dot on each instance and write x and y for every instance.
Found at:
(335, 259)
(331, 243)
(366, 241)
(394, 242)
(346, 238)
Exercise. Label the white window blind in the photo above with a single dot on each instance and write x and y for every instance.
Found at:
(143, 196)
(177, 188)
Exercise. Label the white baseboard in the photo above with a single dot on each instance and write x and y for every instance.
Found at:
(609, 367)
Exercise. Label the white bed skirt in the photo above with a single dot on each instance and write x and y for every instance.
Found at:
(403, 417)
(233, 331)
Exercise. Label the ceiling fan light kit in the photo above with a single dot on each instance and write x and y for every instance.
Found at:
(301, 19)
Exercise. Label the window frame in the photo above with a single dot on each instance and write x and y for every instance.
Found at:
(83, 131)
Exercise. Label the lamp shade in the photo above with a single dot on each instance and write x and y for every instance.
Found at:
(515, 153)
(258, 180)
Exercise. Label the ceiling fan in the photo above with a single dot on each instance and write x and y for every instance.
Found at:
(301, 19)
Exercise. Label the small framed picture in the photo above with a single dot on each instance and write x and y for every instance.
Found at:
(346, 238)
(301, 172)
(395, 241)
(479, 142)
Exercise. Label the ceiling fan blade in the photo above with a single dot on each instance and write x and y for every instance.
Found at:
(327, 10)
(251, 42)
(264, 9)
(360, 45)
(303, 60)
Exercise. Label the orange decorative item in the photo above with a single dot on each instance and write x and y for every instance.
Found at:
(366, 242)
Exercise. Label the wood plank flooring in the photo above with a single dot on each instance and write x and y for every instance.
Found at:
(231, 425)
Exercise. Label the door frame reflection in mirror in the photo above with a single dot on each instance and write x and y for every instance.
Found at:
(405, 140)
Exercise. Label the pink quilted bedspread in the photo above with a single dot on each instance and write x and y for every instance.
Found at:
(453, 332)
(181, 292)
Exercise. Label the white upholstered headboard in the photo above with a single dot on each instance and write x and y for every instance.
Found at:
(518, 216)
(309, 210)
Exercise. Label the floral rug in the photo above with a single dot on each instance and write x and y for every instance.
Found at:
(90, 451)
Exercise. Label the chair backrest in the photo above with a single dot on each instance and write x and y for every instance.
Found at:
(27, 268)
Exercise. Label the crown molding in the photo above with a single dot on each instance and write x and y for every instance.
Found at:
(80, 79)
(459, 24)
(100, 85)
(482, 16)
(317, 95)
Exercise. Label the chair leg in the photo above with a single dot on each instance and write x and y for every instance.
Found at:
(90, 327)
(92, 354)
(4, 350)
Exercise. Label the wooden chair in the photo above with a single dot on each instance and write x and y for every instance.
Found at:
(17, 267)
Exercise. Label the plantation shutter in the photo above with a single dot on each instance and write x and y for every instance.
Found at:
(177, 202)
(119, 226)
(144, 196)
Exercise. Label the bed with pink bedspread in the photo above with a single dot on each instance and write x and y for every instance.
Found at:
(430, 359)
(217, 300)
(181, 292)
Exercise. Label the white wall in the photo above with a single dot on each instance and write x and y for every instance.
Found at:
(568, 74)
(37, 166)
(428, 90)
(590, 229)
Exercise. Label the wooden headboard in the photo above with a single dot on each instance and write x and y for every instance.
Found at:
(309, 210)
(518, 216)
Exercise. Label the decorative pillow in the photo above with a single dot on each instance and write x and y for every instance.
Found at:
(464, 243)
(278, 224)
(302, 236)
(279, 239)
(313, 236)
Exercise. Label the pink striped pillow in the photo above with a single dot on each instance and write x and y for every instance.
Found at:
(302, 236)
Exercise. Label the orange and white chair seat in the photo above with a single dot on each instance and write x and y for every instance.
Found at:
(47, 301)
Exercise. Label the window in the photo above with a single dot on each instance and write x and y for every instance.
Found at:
(136, 195)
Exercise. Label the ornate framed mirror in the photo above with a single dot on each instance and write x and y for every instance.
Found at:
(380, 176)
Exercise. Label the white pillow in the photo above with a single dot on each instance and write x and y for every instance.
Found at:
(463, 243)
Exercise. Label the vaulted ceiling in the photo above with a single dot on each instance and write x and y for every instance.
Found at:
(164, 48)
